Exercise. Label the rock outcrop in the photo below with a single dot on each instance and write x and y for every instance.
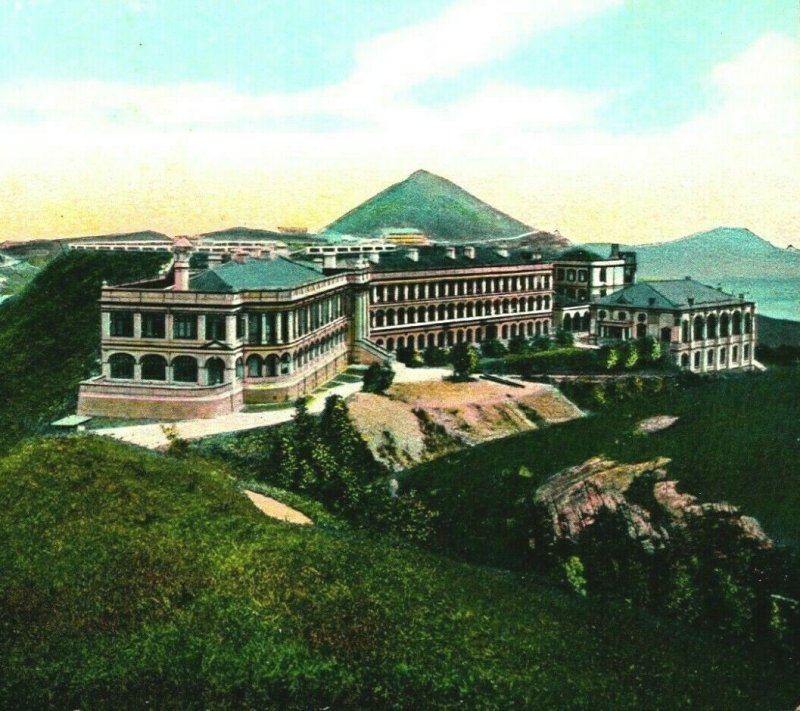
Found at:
(640, 499)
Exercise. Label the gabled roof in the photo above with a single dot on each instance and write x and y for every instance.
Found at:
(255, 275)
(668, 294)
(436, 258)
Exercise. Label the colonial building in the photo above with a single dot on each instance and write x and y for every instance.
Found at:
(266, 329)
(704, 329)
(581, 276)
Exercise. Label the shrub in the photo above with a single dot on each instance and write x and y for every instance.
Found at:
(518, 345)
(378, 378)
(435, 357)
(564, 339)
(493, 349)
(464, 357)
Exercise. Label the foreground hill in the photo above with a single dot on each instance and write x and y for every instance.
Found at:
(438, 207)
(131, 580)
(717, 254)
(50, 335)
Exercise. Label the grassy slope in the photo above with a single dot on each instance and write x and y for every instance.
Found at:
(430, 203)
(132, 579)
(50, 334)
(775, 332)
(737, 440)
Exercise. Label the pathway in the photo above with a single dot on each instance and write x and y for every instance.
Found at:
(153, 437)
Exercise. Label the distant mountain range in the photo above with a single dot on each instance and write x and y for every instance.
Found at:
(440, 209)
(721, 253)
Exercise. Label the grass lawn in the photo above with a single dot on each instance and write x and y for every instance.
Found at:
(737, 440)
(131, 579)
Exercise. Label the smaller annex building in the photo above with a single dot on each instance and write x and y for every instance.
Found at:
(704, 329)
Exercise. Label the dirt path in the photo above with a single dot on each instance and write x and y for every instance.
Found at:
(277, 510)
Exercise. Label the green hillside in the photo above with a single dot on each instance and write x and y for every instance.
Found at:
(736, 441)
(438, 207)
(50, 335)
(133, 580)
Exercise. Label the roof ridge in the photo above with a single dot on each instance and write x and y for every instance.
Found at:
(661, 294)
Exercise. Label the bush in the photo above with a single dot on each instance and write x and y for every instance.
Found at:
(518, 345)
(408, 356)
(556, 360)
(435, 357)
(378, 378)
(564, 339)
(493, 349)
(465, 359)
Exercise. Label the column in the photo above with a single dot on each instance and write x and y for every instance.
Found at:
(105, 324)
(137, 324)
(264, 322)
(290, 336)
(279, 327)
(168, 326)
(201, 327)
(137, 370)
(230, 329)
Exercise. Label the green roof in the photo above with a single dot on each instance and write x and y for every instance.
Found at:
(580, 254)
(255, 275)
(436, 258)
(668, 294)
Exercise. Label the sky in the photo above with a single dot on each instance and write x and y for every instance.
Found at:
(609, 120)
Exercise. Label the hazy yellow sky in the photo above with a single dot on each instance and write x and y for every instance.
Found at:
(604, 119)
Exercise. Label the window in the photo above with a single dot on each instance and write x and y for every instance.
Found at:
(154, 367)
(560, 274)
(746, 353)
(215, 327)
(121, 366)
(122, 324)
(241, 326)
(602, 276)
(184, 369)
(622, 315)
(254, 364)
(153, 325)
(710, 357)
(215, 371)
(601, 315)
(570, 275)
(697, 359)
(582, 275)
(239, 369)
(185, 326)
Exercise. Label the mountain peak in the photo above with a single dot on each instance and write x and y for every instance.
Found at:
(438, 207)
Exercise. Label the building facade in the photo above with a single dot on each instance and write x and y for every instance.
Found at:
(704, 329)
(267, 328)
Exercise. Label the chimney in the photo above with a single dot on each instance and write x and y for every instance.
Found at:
(329, 261)
(375, 257)
(413, 254)
(502, 252)
(741, 296)
(614, 251)
(690, 301)
(652, 301)
(451, 252)
(469, 252)
(181, 249)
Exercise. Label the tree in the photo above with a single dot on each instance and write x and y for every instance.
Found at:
(465, 359)
(518, 345)
(493, 348)
(378, 378)
(435, 356)
(408, 356)
(540, 343)
(564, 339)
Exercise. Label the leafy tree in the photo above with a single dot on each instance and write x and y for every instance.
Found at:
(435, 357)
(465, 359)
(540, 343)
(378, 378)
(564, 339)
(631, 355)
(493, 349)
(518, 345)
(408, 356)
